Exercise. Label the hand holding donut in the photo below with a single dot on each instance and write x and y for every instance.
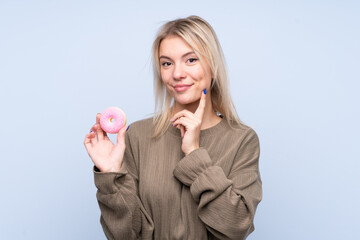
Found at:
(189, 124)
(106, 156)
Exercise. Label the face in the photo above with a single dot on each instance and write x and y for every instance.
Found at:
(182, 72)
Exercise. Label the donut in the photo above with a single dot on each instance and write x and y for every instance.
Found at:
(112, 120)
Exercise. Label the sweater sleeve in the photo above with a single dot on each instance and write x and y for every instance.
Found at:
(122, 213)
(227, 204)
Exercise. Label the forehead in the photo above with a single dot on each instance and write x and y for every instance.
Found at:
(174, 46)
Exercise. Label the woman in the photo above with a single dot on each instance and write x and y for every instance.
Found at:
(191, 171)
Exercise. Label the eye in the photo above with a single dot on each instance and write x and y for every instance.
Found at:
(192, 60)
(166, 64)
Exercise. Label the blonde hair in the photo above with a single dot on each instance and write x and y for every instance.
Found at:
(201, 37)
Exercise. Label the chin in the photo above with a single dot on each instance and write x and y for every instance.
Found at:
(185, 100)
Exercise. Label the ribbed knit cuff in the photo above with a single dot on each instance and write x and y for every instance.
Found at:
(192, 165)
(213, 181)
(106, 182)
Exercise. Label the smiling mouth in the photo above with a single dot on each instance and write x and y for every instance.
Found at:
(182, 88)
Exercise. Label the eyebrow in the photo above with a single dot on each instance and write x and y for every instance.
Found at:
(188, 53)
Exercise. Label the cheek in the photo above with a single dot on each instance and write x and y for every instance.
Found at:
(199, 73)
(203, 78)
(166, 79)
(164, 76)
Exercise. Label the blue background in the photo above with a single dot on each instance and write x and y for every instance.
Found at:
(294, 73)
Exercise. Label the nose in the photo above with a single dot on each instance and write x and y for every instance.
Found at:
(179, 72)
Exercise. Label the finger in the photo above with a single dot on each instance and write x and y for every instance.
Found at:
(121, 136)
(98, 116)
(182, 129)
(105, 135)
(201, 108)
(183, 113)
(92, 135)
(87, 142)
(92, 129)
(185, 122)
(99, 132)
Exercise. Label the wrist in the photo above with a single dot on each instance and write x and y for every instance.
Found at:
(111, 169)
(191, 150)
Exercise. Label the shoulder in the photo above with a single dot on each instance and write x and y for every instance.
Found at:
(141, 128)
(241, 132)
(142, 124)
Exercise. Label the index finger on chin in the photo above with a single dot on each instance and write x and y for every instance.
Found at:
(201, 108)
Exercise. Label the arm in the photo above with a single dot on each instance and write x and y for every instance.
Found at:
(122, 213)
(227, 204)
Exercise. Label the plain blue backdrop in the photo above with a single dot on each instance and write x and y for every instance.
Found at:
(294, 75)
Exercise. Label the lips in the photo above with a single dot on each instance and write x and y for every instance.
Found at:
(182, 87)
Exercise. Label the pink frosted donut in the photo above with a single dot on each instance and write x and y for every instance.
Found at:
(112, 120)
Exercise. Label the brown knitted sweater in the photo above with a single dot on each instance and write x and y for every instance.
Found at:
(212, 193)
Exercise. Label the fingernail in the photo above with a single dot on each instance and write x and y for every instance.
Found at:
(128, 128)
(204, 90)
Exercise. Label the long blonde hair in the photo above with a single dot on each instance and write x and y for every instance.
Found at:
(201, 37)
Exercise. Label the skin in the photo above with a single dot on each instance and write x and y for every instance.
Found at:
(192, 110)
(106, 156)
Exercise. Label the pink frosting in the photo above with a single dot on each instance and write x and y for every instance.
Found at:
(112, 120)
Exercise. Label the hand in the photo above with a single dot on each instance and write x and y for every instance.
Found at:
(189, 124)
(106, 156)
